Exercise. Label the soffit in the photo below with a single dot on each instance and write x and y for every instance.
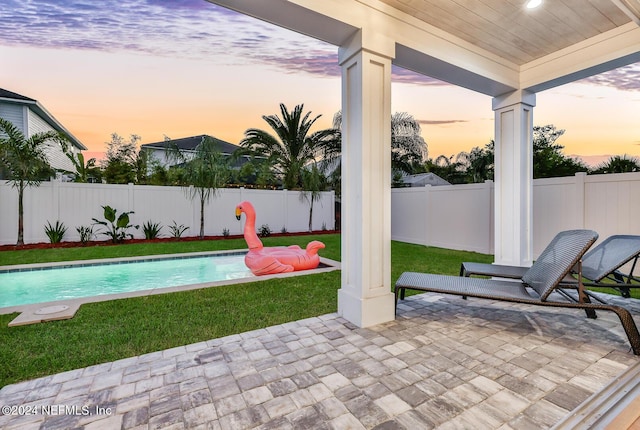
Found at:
(509, 30)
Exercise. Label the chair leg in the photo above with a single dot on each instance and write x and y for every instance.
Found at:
(584, 298)
(395, 302)
(629, 326)
(624, 292)
(396, 291)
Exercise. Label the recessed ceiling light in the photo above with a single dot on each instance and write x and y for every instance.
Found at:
(533, 4)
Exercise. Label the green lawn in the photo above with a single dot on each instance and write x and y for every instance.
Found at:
(107, 331)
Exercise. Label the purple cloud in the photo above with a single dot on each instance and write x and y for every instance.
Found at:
(440, 122)
(193, 29)
(406, 76)
(625, 78)
(317, 63)
(190, 29)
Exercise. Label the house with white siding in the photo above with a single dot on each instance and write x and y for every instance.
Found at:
(30, 117)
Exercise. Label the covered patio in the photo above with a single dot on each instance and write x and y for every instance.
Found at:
(445, 363)
(498, 48)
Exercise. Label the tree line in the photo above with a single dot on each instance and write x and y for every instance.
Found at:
(549, 161)
(288, 155)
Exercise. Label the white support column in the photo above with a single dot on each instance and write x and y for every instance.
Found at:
(514, 178)
(365, 298)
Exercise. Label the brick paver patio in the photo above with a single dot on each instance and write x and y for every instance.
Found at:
(445, 363)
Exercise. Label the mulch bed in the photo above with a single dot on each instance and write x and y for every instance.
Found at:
(44, 245)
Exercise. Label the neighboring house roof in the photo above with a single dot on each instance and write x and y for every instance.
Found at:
(422, 179)
(190, 144)
(15, 98)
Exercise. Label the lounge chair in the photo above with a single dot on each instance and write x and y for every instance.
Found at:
(601, 263)
(535, 288)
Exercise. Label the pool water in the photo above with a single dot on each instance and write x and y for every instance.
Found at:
(49, 284)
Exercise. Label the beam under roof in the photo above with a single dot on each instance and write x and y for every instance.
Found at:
(428, 50)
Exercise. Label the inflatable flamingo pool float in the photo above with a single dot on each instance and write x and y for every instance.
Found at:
(280, 259)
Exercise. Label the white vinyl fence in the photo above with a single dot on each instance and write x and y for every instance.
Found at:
(76, 204)
(461, 216)
(452, 216)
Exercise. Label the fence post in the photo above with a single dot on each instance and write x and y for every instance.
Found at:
(130, 197)
(580, 192)
(491, 228)
(55, 198)
(332, 203)
(427, 215)
(285, 205)
(195, 212)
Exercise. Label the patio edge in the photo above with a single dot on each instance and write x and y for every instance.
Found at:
(616, 406)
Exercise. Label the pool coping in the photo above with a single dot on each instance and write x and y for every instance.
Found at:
(117, 260)
(42, 312)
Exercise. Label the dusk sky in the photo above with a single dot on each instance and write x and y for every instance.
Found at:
(187, 67)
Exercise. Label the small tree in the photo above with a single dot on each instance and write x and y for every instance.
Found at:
(203, 173)
(313, 182)
(25, 162)
(120, 164)
(548, 159)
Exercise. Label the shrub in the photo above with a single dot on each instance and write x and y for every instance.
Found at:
(177, 230)
(283, 230)
(151, 229)
(86, 233)
(264, 231)
(225, 232)
(56, 232)
(116, 228)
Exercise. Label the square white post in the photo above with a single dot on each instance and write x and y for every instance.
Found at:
(365, 297)
(514, 178)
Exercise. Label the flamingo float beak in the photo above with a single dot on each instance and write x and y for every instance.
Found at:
(238, 213)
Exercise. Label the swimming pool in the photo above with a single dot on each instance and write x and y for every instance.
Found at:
(29, 284)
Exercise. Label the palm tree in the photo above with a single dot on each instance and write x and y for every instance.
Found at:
(407, 145)
(202, 173)
(619, 164)
(292, 148)
(448, 169)
(408, 148)
(25, 162)
(313, 182)
(84, 170)
(478, 164)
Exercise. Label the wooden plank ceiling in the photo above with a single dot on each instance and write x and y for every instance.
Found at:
(509, 30)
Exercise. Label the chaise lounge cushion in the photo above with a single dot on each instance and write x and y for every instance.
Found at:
(557, 260)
